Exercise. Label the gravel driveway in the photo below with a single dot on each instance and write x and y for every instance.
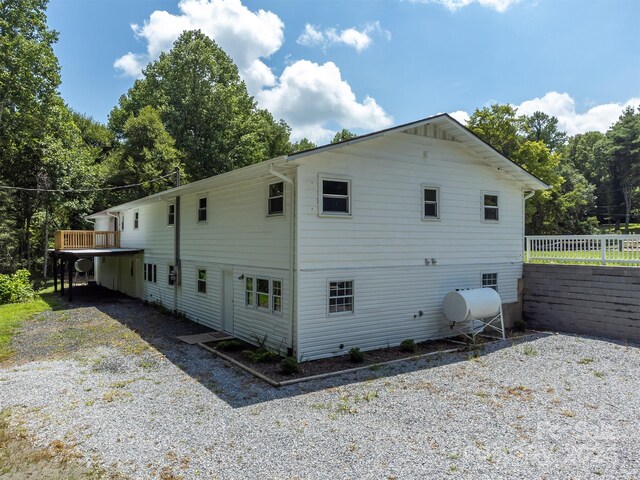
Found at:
(148, 406)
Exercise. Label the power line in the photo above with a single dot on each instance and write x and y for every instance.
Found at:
(81, 190)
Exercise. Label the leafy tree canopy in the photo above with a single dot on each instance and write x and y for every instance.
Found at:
(205, 107)
(343, 135)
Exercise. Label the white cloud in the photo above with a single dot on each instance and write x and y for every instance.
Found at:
(454, 5)
(311, 96)
(352, 37)
(461, 116)
(563, 107)
(248, 37)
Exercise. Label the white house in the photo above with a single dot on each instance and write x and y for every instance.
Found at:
(352, 244)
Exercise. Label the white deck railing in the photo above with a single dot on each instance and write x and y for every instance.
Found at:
(591, 249)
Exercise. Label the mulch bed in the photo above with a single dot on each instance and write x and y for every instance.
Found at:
(333, 364)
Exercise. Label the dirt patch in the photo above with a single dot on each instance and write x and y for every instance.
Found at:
(270, 365)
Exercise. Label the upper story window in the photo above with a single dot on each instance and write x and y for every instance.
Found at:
(490, 207)
(335, 196)
(122, 222)
(490, 280)
(136, 219)
(202, 209)
(171, 214)
(276, 199)
(340, 297)
(430, 203)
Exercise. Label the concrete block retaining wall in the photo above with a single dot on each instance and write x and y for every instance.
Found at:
(599, 301)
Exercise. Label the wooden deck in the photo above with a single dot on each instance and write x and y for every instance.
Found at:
(86, 239)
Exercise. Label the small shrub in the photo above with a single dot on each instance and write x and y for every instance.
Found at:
(519, 325)
(261, 356)
(289, 366)
(408, 345)
(230, 345)
(15, 287)
(356, 355)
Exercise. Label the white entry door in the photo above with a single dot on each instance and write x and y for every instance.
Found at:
(227, 301)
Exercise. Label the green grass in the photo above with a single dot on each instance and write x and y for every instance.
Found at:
(583, 257)
(13, 314)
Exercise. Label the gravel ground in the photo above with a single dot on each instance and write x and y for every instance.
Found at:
(554, 406)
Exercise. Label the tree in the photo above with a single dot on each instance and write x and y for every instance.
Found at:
(499, 126)
(147, 153)
(540, 127)
(302, 145)
(622, 150)
(343, 135)
(205, 107)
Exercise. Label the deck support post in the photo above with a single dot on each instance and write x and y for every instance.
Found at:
(55, 272)
(70, 265)
(61, 269)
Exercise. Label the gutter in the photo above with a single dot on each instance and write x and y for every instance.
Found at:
(292, 246)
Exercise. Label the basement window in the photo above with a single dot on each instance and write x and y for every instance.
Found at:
(335, 198)
(490, 280)
(249, 291)
(340, 297)
(262, 292)
(276, 199)
(202, 281)
(490, 207)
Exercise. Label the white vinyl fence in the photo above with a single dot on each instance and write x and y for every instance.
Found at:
(587, 249)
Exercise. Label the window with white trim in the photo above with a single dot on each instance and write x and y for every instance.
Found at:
(276, 296)
(490, 207)
(202, 281)
(202, 209)
(122, 223)
(171, 214)
(150, 272)
(263, 293)
(490, 280)
(430, 203)
(249, 292)
(275, 201)
(335, 196)
(136, 219)
(340, 297)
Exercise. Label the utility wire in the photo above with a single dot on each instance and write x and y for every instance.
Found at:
(81, 190)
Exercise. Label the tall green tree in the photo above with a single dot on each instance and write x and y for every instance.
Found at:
(205, 107)
(343, 135)
(302, 145)
(540, 127)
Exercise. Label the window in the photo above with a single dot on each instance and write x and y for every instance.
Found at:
(115, 224)
(490, 207)
(150, 272)
(262, 292)
(431, 200)
(171, 214)
(335, 197)
(341, 297)
(122, 223)
(276, 199)
(276, 296)
(202, 209)
(490, 280)
(172, 275)
(202, 281)
(249, 291)
(136, 219)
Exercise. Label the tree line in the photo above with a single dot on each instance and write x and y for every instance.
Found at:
(192, 110)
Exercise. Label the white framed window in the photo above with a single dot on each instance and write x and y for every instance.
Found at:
(150, 272)
(490, 280)
(276, 295)
(122, 222)
(340, 297)
(144, 271)
(249, 291)
(202, 209)
(430, 202)
(171, 214)
(263, 293)
(136, 219)
(334, 196)
(490, 207)
(275, 200)
(202, 280)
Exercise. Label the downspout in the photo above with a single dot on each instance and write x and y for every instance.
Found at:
(527, 196)
(177, 269)
(292, 247)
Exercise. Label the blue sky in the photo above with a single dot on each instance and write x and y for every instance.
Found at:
(366, 65)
